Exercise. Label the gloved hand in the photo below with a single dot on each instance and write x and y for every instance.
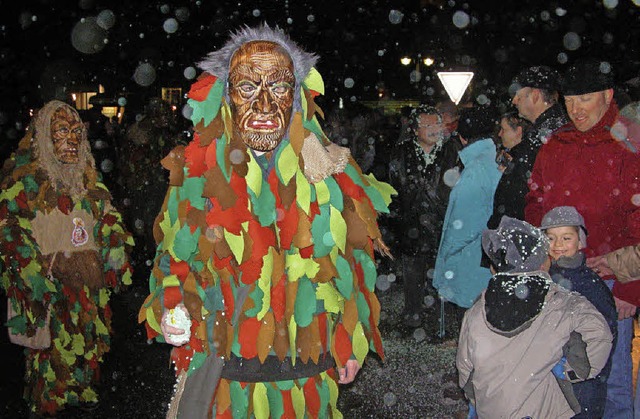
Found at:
(176, 325)
(472, 412)
(558, 369)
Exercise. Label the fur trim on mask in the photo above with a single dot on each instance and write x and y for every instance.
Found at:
(68, 177)
(218, 62)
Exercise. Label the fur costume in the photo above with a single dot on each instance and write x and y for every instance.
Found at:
(272, 258)
(57, 219)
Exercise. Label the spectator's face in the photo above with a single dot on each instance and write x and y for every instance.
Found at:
(565, 241)
(450, 122)
(429, 129)
(67, 131)
(510, 137)
(261, 88)
(585, 111)
(524, 101)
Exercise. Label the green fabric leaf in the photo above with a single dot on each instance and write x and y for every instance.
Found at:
(196, 362)
(171, 214)
(264, 283)
(254, 176)
(314, 81)
(368, 267)
(260, 401)
(286, 163)
(264, 206)
(239, 399)
(185, 243)
(297, 266)
(323, 392)
(192, 189)
(303, 192)
(236, 244)
(335, 193)
(257, 296)
(379, 193)
(297, 399)
(209, 108)
(359, 343)
(322, 192)
(305, 304)
(276, 406)
(331, 298)
(338, 229)
(333, 396)
(363, 310)
(11, 193)
(285, 385)
(344, 282)
(293, 329)
(30, 184)
(320, 232)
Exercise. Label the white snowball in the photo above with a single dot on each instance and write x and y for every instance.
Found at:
(395, 16)
(145, 75)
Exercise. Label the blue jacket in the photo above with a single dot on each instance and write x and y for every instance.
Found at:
(458, 275)
(591, 394)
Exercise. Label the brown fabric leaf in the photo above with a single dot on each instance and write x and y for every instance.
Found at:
(265, 336)
(174, 162)
(303, 238)
(327, 270)
(223, 397)
(281, 340)
(303, 343)
(197, 218)
(78, 269)
(287, 193)
(291, 290)
(356, 228)
(158, 235)
(192, 300)
(208, 133)
(222, 249)
(216, 185)
(311, 104)
(278, 266)
(205, 246)
(350, 315)
(368, 216)
(297, 133)
(374, 305)
(220, 333)
(316, 343)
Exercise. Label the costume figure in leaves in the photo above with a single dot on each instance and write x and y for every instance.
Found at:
(63, 250)
(264, 277)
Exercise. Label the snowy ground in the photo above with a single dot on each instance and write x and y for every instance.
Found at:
(416, 380)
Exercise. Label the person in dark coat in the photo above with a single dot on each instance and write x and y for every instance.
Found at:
(535, 91)
(423, 170)
(564, 226)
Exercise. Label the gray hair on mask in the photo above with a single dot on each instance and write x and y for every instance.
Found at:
(217, 62)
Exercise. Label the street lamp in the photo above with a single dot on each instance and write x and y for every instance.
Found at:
(416, 75)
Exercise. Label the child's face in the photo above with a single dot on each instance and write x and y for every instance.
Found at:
(564, 241)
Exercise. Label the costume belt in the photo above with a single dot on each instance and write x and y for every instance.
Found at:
(272, 369)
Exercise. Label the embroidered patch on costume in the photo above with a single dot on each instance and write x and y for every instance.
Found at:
(79, 235)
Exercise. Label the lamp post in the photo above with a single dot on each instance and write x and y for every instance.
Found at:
(416, 75)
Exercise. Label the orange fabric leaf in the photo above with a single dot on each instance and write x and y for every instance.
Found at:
(172, 296)
(342, 345)
(194, 154)
(248, 337)
(265, 336)
(278, 299)
(311, 397)
(200, 89)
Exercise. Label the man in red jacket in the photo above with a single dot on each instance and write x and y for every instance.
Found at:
(592, 164)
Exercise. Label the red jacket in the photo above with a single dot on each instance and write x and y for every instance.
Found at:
(598, 172)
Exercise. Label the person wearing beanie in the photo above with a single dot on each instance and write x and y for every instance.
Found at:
(511, 357)
(459, 276)
(592, 164)
(418, 170)
(535, 95)
(564, 226)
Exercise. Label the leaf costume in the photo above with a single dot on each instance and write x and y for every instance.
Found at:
(63, 251)
(273, 258)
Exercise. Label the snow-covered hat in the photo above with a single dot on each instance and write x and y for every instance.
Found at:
(515, 246)
(538, 77)
(587, 76)
(565, 216)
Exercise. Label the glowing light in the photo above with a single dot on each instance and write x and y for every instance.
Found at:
(455, 83)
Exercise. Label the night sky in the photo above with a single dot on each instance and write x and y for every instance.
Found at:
(360, 43)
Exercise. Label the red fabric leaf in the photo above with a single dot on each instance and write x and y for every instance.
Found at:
(200, 89)
(278, 299)
(307, 252)
(181, 357)
(227, 294)
(233, 217)
(195, 343)
(109, 219)
(342, 342)
(150, 332)
(194, 155)
(225, 415)
(348, 187)
(21, 200)
(287, 404)
(110, 279)
(288, 226)
(180, 269)
(311, 397)
(64, 204)
(248, 337)
(172, 296)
